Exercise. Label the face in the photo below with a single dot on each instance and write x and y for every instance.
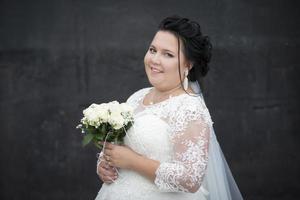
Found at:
(161, 61)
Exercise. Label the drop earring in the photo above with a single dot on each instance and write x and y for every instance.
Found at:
(186, 81)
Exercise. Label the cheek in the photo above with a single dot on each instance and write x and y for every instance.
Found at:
(171, 74)
(146, 63)
(171, 68)
(146, 59)
(147, 56)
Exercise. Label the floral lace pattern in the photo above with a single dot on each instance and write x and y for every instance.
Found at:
(190, 124)
(175, 132)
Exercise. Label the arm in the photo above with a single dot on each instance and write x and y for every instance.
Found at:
(186, 171)
(192, 123)
(145, 167)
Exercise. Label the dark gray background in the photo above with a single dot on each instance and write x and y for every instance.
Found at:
(57, 57)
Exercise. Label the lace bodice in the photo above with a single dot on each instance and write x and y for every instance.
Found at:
(189, 131)
(175, 132)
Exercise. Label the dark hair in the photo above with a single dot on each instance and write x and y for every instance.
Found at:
(196, 47)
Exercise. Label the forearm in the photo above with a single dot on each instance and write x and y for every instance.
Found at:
(145, 166)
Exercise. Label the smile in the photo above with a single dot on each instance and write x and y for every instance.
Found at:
(155, 70)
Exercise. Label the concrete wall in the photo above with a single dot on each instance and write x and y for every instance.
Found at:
(57, 57)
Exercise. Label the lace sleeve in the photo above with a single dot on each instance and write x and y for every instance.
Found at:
(191, 127)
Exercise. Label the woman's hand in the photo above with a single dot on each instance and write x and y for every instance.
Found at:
(125, 158)
(120, 156)
(106, 173)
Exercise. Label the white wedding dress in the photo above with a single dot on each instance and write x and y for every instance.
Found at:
(178, 132)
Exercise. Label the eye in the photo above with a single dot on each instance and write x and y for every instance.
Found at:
(152, 50)
(169, 55)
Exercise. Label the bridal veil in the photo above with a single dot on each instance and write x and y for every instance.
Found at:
(218, 183)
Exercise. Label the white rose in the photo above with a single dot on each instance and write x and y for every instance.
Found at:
(92, 118)
(116, 120)
(127, 112)
(114, 107)
(102, 112)
(126, 108)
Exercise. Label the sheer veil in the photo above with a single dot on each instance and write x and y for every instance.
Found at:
(218, 183)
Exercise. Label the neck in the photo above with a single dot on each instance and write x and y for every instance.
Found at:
(167, 91)
(159, 95)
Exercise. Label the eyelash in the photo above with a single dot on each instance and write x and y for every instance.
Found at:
(150, 49)
(168, 54)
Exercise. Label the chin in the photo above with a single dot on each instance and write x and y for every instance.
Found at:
(153, 82)
(157, 84)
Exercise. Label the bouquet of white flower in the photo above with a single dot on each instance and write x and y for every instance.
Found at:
(106, 122)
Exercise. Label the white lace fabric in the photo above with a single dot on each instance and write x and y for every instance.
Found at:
(189, 122)
(175, 132)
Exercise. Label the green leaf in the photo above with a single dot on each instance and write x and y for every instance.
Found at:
(103, 128)
(90, 130)
(99, 137)
(87, 139)
(98, 145)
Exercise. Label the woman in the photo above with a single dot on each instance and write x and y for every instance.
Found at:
(171, 152)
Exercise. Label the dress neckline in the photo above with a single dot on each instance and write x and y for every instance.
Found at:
(158, 103)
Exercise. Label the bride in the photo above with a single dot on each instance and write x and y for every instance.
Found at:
(171, 152)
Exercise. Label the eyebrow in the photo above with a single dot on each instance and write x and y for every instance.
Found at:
(162, 49)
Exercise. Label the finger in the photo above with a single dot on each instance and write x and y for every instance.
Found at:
(108, 152)
(109, 146)
(106, 177)
(110, 174)
(110, 163)
(104, 165)
(106, 172)
(111, 169)
(103, 162)
(108, 167)
(107, 158)
(108, 180)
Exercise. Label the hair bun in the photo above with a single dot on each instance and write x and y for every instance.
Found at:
(197, 48)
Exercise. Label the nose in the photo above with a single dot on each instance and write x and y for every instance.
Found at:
(155, 59)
